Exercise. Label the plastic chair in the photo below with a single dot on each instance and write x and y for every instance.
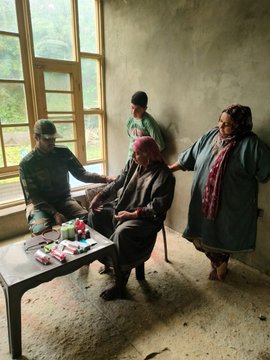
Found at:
(140, 269)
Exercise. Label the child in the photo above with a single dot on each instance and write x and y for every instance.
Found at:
(140, 123)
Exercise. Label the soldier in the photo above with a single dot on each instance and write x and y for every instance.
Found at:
(44, 176)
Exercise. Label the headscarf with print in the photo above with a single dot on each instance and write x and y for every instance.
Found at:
(223, 145)
(148, 146)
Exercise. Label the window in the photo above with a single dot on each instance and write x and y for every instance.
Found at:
(50, 67)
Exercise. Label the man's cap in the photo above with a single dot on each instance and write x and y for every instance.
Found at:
(139, 98)
(46, 128)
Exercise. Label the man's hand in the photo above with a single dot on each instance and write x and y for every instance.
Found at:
(59, 218)
(126, 215)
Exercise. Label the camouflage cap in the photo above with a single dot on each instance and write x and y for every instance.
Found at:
(46, 128)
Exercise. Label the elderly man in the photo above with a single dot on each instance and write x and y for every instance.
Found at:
(44, 176)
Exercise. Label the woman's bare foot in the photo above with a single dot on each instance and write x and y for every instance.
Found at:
(219, 273)
(222, 271)
(213, 275)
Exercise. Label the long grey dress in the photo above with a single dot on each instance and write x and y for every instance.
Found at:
(234, 228)
(152, 190)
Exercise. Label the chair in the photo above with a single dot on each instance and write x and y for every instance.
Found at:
(140, 270)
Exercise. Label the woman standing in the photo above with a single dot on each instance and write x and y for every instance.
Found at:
(228, 161)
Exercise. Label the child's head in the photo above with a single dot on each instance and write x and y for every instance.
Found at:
(139, 104)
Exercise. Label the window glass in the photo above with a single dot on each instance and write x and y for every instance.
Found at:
(87, 26)
(70, 145)
(90, 83)
(10, 58)
(92, 137)
(12, 105)
(16, 142)
(52, 29)
(57, 81)
(8, 20)
(93, 168)
(66, 131)
(58, 102)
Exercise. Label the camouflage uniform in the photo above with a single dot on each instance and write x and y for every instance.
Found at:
(45, 183)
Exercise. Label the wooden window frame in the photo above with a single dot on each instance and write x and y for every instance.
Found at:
(32, 90)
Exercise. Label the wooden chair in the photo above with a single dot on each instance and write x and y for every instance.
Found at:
(140, 270)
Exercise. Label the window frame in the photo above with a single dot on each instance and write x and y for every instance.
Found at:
(32, 90)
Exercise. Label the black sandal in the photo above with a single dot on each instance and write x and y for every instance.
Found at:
(113, 293)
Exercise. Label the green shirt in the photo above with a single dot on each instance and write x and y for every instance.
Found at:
(147, 126)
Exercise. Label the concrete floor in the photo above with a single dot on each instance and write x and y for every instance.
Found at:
(176, 314)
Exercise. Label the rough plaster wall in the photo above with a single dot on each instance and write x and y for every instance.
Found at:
(193, 58)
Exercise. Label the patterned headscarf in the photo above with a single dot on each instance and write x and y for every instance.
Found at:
(242, 119)
(148, 146)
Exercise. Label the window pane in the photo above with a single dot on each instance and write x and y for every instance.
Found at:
(10, 190)
(57, 81)
(52, 29)
(10, 58)
(58, 102)
(17, 143)
(66, 131)
(87, 26)
(12, 104)
(8, 19)
(94, 168)
(90, 83)
(70, 145)
(92, 137)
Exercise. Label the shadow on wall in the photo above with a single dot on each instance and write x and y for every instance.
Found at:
(170, 131)
(263, 132)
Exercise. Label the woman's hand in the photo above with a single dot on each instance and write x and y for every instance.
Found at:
(110, 179)
(175, 167)
(96, 203)
(126, 215)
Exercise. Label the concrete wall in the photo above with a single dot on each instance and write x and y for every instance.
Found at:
(193, 58)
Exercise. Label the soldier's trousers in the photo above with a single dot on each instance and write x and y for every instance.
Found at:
(40, 220)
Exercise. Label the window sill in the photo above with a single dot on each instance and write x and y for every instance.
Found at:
(12, 210)
(13, 221)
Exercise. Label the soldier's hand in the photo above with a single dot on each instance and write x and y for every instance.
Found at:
(59, 218)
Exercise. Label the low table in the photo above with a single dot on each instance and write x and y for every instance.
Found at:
(20, 271)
